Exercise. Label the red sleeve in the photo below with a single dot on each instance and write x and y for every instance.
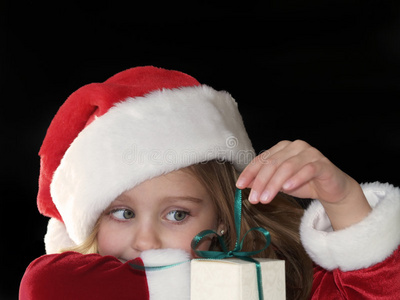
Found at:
(71, 275)
(381, 281)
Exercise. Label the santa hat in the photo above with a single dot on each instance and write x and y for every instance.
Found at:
(109, 137)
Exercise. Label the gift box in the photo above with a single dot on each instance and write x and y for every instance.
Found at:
(236, 279)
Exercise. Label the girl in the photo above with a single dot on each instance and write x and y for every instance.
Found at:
(133, 168)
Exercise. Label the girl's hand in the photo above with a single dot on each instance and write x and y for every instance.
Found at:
(302, 171)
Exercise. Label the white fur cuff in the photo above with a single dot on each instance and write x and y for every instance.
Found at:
(362, 245)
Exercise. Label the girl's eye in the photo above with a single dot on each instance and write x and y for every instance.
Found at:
(177, 215)
(123, 214)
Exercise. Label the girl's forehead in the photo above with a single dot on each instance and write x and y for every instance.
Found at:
(175, 181)
(180, 184)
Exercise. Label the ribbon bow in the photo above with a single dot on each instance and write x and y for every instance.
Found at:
(237, 251)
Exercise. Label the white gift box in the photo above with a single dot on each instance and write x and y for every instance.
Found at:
(236, 279)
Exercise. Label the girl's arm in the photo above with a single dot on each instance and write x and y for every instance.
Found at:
(302, 171)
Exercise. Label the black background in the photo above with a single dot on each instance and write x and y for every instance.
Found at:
(323, 71)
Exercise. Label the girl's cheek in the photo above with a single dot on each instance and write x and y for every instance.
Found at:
(102, 244)
(107, 241)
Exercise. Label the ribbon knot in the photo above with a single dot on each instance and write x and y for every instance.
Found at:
(237, 251)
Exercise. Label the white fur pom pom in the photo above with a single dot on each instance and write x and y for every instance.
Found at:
(170, 283)
(57, 237)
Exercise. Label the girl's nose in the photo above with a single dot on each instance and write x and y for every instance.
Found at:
(146, 237)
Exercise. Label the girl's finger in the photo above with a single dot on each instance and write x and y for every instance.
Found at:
(260, 181)
(250, 172)
(266, 158)
(282, 174)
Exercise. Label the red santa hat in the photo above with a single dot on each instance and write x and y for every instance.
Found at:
(109, 137)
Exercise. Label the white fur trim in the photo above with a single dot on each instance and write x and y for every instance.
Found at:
(141, 138)
(56, 238)
(171, 283)
(361, 245)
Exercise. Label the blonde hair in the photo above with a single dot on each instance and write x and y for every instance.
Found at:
(89, 246)
(281, 218)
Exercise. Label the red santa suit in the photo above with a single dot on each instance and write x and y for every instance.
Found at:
(144, 122)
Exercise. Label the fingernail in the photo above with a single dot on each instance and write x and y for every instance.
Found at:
(240, 183)
(264, 196)
(253, 197)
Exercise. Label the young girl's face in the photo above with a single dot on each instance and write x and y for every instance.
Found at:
(163, 212)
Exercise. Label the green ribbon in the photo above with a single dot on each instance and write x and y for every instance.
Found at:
(237, 251)
(155, 268)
